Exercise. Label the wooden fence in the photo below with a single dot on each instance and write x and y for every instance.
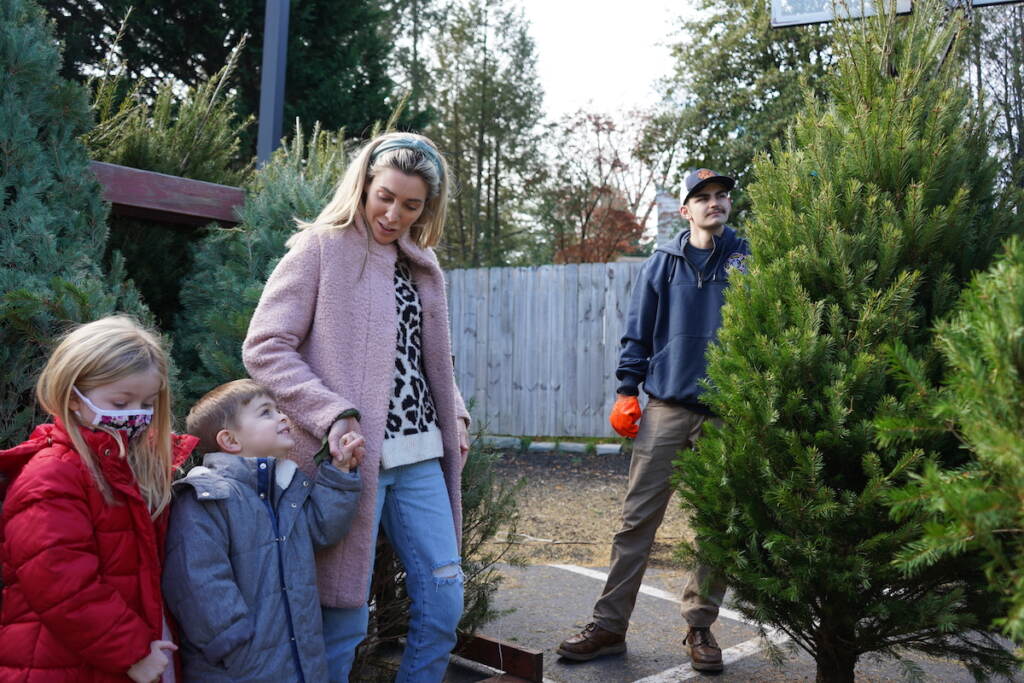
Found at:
(537, 348)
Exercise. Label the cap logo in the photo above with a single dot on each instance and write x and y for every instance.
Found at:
(704, 174)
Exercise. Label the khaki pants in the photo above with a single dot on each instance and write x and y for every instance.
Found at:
(665, 429)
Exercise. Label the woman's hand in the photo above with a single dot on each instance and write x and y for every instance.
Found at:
(151, 667)
(335, 437)
(463, 439)
(353, 449)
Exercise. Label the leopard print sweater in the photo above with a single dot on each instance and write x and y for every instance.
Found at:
(411, 433)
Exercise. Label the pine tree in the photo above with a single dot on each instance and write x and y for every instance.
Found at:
(195, 133)
(866, 223)
(980, 505)
(487, 100)
(735, 86)
(52, 221)
(230, 266)
(338, 59)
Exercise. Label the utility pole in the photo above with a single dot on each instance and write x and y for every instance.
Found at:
(272, 76)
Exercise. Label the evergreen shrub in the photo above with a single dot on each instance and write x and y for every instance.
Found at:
(231, 265)
(867, 222)
(980, 506)
(192, 133)
(53, 222)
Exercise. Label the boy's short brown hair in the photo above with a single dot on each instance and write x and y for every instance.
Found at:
(218, 409)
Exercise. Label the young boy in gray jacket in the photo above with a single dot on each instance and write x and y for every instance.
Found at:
(239, 576)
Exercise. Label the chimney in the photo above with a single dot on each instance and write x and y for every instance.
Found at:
(669, 220)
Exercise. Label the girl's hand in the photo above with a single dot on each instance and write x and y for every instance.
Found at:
(463, 439)
(353, 449)
(151, 667)
(338, 430)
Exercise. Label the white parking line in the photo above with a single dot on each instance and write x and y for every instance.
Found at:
(685, 672)
(483, 669)
(654, 592)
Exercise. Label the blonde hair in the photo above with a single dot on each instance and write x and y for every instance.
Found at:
(218, 409)
(98, 353)
(350, 196)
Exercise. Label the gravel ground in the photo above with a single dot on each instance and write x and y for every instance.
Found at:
(570, 507)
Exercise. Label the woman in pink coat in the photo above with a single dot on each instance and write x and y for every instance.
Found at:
(351, 334)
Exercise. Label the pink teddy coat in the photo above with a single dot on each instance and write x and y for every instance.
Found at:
(323, 340)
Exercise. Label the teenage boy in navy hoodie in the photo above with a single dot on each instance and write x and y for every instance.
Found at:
(674, 312)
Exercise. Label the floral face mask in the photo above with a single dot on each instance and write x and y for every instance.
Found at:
(131, 422)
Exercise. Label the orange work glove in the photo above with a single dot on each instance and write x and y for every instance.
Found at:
(624, 416)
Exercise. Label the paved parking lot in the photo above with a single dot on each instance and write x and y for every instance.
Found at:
(551, 602)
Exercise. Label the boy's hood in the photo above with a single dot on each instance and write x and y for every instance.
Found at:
(210, 480)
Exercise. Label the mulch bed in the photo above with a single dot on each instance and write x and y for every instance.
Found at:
(570, 506)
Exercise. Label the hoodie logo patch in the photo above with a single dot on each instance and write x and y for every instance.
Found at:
(738, 262)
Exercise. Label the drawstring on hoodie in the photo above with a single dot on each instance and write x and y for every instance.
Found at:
(677, 248)
(710, 261)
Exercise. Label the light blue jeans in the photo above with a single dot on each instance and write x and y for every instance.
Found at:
(413, 505)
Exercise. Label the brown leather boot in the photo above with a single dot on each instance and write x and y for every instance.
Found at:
(705, 655)
(592, 641)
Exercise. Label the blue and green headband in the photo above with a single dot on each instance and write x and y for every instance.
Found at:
(411, 143)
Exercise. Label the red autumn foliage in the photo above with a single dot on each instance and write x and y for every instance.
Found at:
(610, 232)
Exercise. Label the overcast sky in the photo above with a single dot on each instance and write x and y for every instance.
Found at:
(599, 54)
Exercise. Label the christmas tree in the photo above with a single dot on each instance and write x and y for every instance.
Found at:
(192, 132)
(230, 266)
(52, 221)
(866, 224)
(980, 505)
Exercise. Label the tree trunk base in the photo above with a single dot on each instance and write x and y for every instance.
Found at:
(836, 669)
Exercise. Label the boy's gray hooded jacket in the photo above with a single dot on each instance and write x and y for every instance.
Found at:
(239, 576)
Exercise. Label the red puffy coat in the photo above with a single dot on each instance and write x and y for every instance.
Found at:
(81, 598)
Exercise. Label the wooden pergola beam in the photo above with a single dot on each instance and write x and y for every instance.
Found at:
(166, 198)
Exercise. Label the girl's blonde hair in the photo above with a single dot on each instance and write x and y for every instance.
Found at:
(98, 353)
(406, 152)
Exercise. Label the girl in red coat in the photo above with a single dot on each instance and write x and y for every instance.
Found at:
(82, 526)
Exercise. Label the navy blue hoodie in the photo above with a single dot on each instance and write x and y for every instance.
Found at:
(674, 312)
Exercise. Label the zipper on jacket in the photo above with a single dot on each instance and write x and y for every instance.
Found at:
(263, 487)
(700, 275)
